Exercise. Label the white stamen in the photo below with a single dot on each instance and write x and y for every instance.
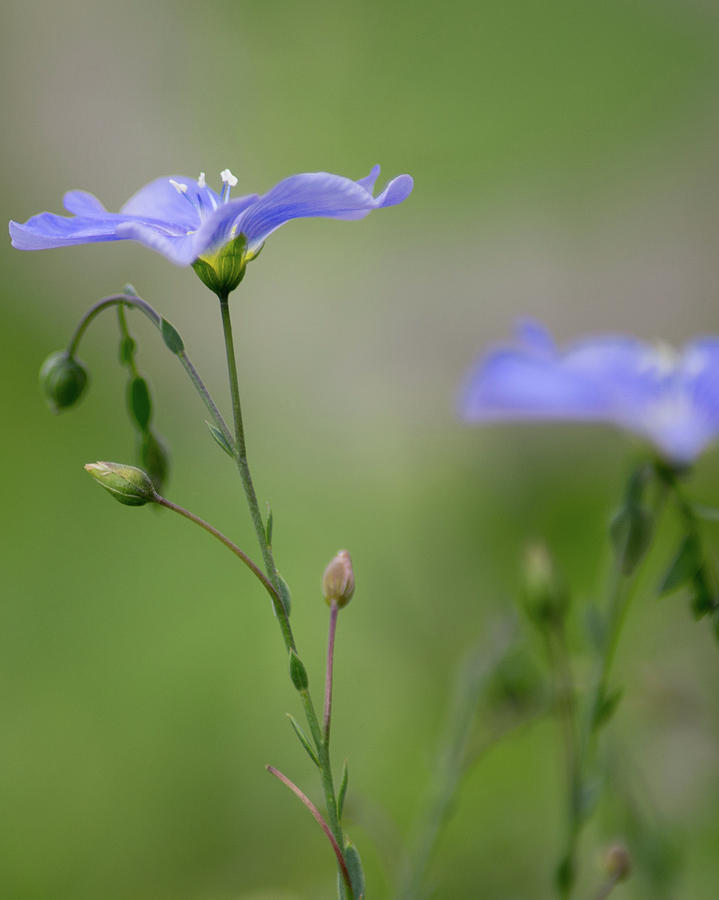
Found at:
(228, 178)
(180, 188)
(201, 180)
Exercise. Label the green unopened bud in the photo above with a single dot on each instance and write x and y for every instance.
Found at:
(545, 596)
(618, 862)
(224, 270)
(63, 380)
(127, 484)
(338, 581)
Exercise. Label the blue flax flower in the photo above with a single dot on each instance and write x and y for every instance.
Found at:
(186, 220)
(668, 397)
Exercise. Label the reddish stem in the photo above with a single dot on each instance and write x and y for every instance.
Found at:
(320, 821)
(334, 609)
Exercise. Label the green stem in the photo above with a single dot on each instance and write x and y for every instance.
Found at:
(272, 574)
(132, 300)
(621, 591)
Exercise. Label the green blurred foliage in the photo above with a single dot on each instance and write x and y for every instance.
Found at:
(564, 157)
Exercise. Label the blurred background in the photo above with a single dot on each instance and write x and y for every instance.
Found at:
(565, 162)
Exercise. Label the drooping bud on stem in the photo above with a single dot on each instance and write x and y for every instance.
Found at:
(338, 581)
(127, 484)
(63, 380)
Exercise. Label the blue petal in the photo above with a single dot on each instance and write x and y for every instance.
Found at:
(179, 247)
(45, 231)
(82, 203)
(316, 194)
(160, 200)
(516, 385)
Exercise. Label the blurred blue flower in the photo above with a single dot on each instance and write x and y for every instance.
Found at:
(668, 397)
(186, 220)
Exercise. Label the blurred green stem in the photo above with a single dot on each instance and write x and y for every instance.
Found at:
(621, 590)
(321, 743)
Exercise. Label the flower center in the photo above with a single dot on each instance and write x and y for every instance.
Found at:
(204, 201)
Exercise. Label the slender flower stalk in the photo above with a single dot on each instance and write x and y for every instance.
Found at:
(327, 718)
(135, 302)
(320, 821)
(243, 468)
(622, 587)
(223, 539)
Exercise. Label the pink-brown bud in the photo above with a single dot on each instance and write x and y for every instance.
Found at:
(617, 862)
(338, 582)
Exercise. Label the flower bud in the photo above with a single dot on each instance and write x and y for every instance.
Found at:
(545, 596)
(338, 581)
(127, 484)
(63, 380)
(617, 862)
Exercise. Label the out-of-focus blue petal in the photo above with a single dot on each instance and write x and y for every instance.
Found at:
(515, 385)
(160, 200)
(532, 334)
(46, 231)
(315, 194)
(83, 203)
(669, 399)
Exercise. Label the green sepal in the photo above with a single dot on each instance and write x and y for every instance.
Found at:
(356, 873)
(138, 400)
(224, 270)
(220, 439)
(344, 781)
(304, 740)
(285, 595)
(298, 673)
(155, 459)
(684, 567)
(171, 337)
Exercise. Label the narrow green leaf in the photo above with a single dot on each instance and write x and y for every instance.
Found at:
(343, 790)
(140, 403)
(631, 532)
(154, 459)
(171, 337)
(220, 438)
(298, 673)
(304, 740)
(354, 867)
(685, 565)
(285, 595)
(606, 707)
(703, 599)
(128, 346)
(268, 526)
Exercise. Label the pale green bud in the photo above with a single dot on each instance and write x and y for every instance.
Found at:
(544, 593)
(63, 380)
(127, 484)
(338, 581)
